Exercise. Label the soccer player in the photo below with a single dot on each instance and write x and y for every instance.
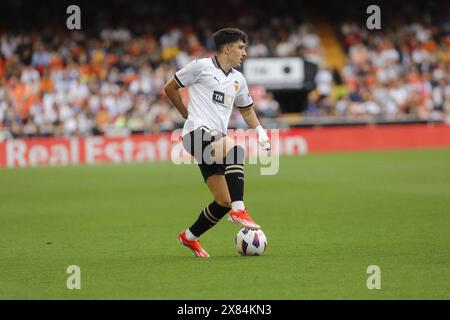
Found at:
(215, 87)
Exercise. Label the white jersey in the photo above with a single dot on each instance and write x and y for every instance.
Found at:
(212, 94)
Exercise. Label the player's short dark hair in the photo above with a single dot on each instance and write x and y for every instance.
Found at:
(228, 35)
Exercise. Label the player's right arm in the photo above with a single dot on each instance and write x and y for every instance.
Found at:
(171, 88)
(184, 77)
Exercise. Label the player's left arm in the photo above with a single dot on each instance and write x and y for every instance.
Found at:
(251, 119)
(244, 102)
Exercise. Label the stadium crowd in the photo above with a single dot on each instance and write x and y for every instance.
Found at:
(59, 82)
(403, 71)
(71, 84)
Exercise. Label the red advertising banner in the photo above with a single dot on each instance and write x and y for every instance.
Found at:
(329, 139)
(42, 151)
(160, 147)
(70, 151)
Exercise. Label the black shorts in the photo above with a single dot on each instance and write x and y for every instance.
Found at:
(202, 138)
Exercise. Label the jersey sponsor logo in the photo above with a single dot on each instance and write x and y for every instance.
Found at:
(219, 97)
(222, 98)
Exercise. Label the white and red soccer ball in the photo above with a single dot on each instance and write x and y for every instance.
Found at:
(251, 242)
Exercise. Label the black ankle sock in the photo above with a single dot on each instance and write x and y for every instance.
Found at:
(208, 218)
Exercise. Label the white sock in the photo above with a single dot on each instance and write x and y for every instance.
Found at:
(237, 205)
(189, 235)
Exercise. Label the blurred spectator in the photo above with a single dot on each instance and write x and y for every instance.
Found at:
(267, 106)
(324, 80)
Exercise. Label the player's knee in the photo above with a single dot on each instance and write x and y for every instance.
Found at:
(222, 146)
(227, 145)
(236, 155)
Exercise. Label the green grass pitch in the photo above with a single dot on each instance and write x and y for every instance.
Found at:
(327, 218)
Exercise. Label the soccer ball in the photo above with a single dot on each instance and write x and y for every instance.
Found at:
(251, 242)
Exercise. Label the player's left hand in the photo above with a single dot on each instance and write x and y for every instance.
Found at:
(263, 139)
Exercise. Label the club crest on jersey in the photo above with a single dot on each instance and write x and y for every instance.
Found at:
(236, 86)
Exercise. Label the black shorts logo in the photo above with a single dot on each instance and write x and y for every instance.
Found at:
(219, 97)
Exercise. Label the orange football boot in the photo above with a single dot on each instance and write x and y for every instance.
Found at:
(242, 218)
(193, 245)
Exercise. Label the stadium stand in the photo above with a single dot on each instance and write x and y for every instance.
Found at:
(107, 79)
